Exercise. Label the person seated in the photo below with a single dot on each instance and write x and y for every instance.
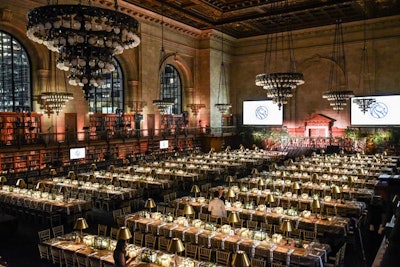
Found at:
(217, 207)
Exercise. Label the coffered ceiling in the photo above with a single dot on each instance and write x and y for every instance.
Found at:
(244, 18)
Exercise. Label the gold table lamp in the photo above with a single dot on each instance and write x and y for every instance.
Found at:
(230, 195)
(233, 218)
(335, 191)
(195, 189)
(296, 187)
(188, 210)
(261, 183)
(124, 233)
(286, 227)
(270, 199)
(176, 246)
(3, 180)
(240, 259)
(21, 183)
(71, 175)
(81, 224)
(53, 172)
(229, 180)
(315, 205)
(149, 204)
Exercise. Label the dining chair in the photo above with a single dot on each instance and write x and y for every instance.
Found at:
(203, 217)
(69, 258)
(257, 262)
(44, 235)
(93, 262)
(113, 233)
(170, 210)
(191, 250)
(126, 210)
(267, 227)
(108, 264)
(57, 256)
(277, 264)
(44, 252)
(102, 230)
(138, 239)
(150, 241)
(222, 257)
(163, 243)
(309, 235)
(205, 254)
(116, 213)
(252, 224)
(58, 230)
(81, 260)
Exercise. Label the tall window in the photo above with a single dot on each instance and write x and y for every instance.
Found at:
(15, 77)
(108, 98)
(171, 87)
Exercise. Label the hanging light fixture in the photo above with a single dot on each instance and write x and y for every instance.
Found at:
(85, 37)
(279, 85)
(364, 80)
(53, 101)
(195, 107)
(338, 92)
(163, 105)
(223, 107)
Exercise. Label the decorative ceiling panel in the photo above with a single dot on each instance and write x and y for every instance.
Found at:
(246, 18)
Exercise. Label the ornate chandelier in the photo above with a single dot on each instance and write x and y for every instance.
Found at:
(223, 107)
(53, 101)
(365, 82)
(337, 93)
(279, 85)
(163, 104)
(85, 37)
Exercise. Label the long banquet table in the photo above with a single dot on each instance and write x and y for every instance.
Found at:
(309, 253)
(333, 224)
(101, 249)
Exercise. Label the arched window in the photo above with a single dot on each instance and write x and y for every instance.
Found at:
(15, 75)
(108, 98)
(171, 87)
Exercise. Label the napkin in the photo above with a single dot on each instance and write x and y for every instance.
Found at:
(271, 252)
(288, 253)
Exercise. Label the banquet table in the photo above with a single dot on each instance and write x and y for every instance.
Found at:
(309, 253)
(39, 201)
(101, 249)
(332, 224)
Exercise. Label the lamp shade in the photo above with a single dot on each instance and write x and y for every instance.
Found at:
(230, 193)
(270, 198)
(188, 210)
(233, 217)
(336, 189)
(240, 259)
(81, 224)
(21, 183)
(261, 182)
(286, 226)
(3, 179)
(93, 167)
(315, 204)
(229, 179)
(176, 245)
(296, 186)
(195, 189)
(39, 186)
(149, 204)
(53, 172)
(124, 233)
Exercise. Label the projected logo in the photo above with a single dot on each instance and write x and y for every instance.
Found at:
(261, 112)
(379, 110)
